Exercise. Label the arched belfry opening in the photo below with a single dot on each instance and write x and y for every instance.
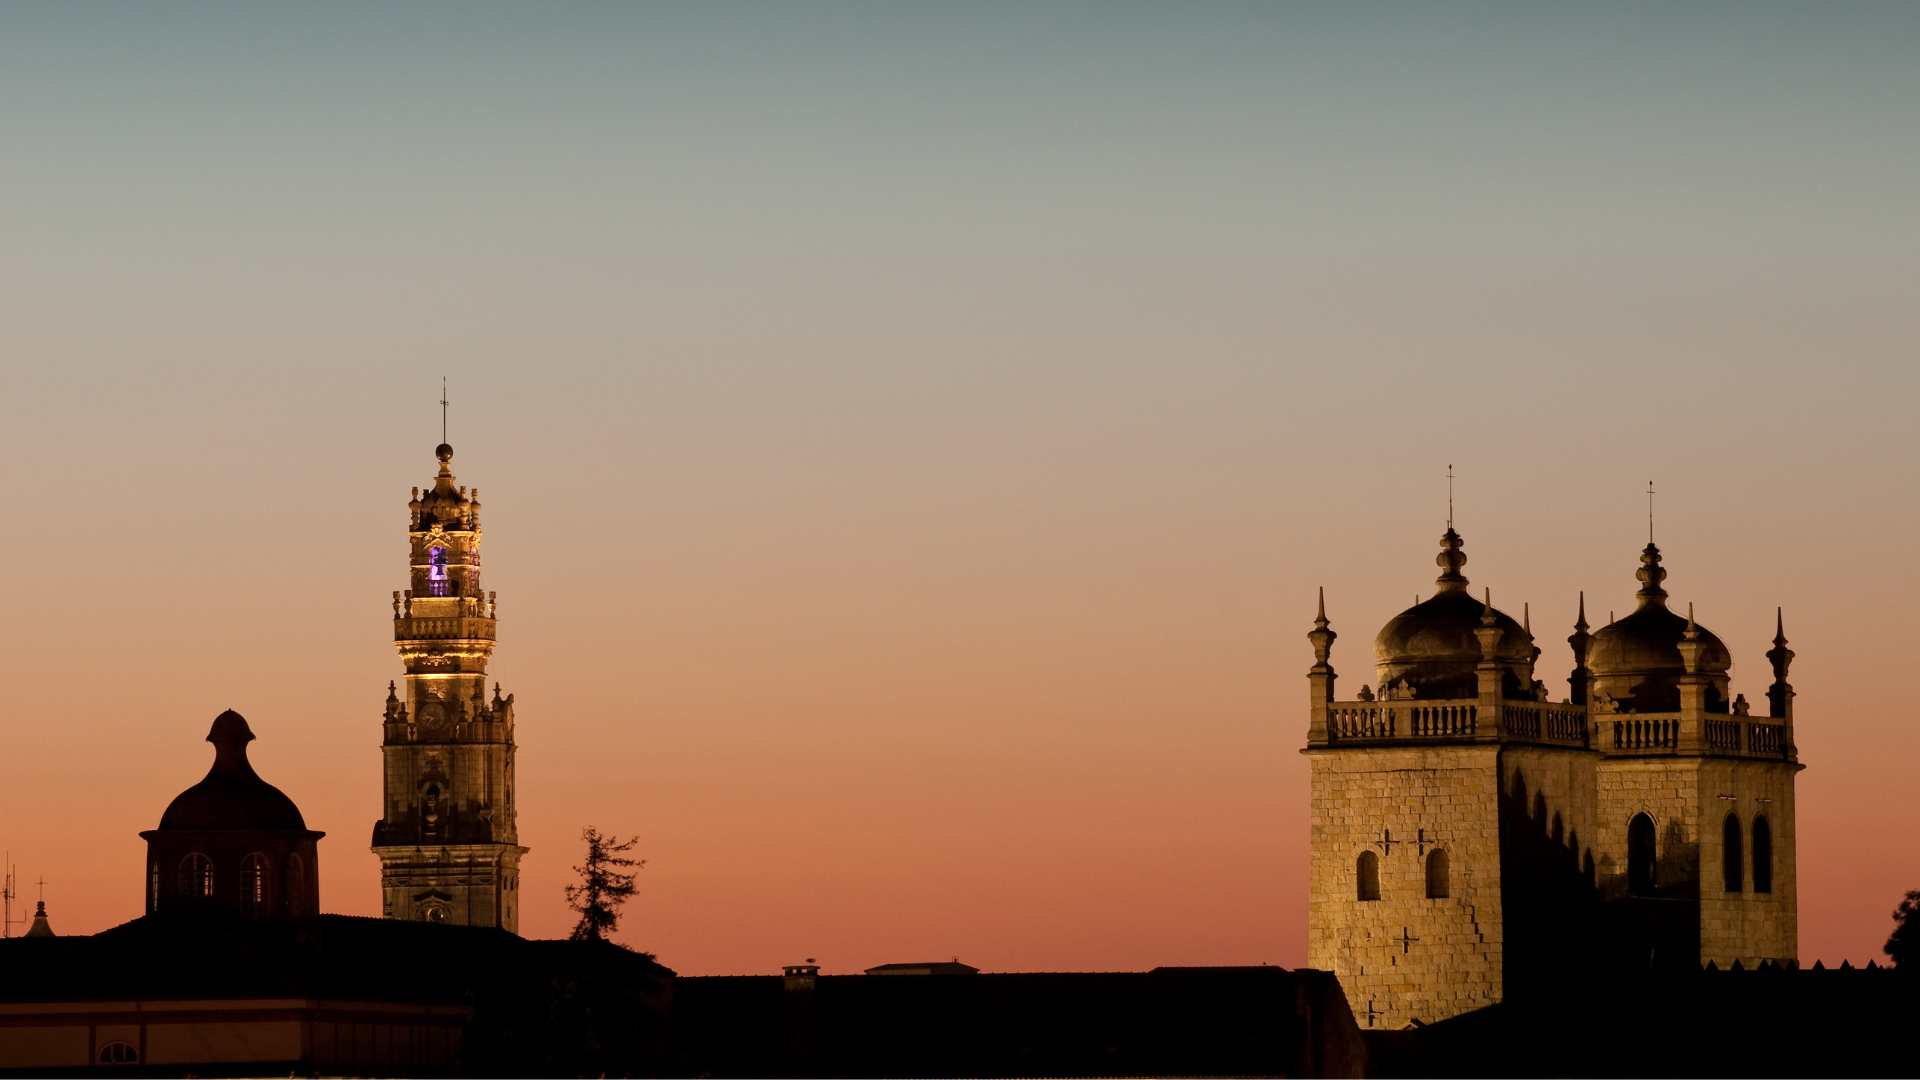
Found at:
(1640, 855)
(1732, 859)
(1762, 855)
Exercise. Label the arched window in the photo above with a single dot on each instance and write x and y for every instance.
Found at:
(1640, 855)
(119, 1053)
(1762, 855)
(1437, 874)
(196, 875)
(296, 887)
(1732, 863)
(1368, 871)
(253, 885)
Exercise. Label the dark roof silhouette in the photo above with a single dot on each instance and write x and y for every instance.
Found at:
(202, 954)
(232, 796)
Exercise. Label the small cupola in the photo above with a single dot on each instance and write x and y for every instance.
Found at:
(1431, 651)
(233, 842)
(1636, 661)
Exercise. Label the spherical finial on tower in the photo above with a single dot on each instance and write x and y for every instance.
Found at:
(444, 452)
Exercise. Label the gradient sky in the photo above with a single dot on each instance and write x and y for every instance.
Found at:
(911, 436)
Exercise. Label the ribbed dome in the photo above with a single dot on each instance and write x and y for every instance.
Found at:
(1636, 660)
(1432, 645)
(232, 796)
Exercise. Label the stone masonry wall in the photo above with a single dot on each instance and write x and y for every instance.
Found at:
(1747, 926)
(1404, 956)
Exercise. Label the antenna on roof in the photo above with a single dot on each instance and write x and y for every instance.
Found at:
(7, 893)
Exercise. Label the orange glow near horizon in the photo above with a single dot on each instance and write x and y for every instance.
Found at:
(912, 438)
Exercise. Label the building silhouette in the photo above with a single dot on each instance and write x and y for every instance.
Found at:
(448, 843)
(1473, 840)
(233, 841)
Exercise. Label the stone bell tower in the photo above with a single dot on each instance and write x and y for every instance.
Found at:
(448, 846)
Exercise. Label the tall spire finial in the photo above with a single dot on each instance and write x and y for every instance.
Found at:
(1649, 511)
(443, 409)
(1449, 495)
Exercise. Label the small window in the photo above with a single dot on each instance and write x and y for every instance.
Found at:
(253, 885)
(1368, 871)
(1640, 855)
(153, 887)
(1762, 855)
(1732, 864)
(196, 875)
(1437, 874)
(119, 1053)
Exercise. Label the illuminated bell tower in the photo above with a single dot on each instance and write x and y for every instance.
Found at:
(448, 846)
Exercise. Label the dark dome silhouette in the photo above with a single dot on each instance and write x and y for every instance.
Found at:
(232, 796)
(1432, 646)
(1636, 660)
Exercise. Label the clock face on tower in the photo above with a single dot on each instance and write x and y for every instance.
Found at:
(433, 716)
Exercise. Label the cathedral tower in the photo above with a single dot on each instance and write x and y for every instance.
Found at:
(448, 846)
(1473, 840)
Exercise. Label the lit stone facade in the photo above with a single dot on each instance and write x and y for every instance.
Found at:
(1471, 839)
(448, 845)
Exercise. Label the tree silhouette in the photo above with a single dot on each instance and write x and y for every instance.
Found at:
(1904, 945)
(603, 888)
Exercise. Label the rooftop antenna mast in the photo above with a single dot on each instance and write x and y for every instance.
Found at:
(7, 893)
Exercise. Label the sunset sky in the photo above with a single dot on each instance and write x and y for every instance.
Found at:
(911, 436)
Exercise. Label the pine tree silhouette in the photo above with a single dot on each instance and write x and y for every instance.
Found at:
(1904, 945)
(603, 887)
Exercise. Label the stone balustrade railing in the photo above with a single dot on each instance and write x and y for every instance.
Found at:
(1638, 733)
(449, 629)
(1465, 719)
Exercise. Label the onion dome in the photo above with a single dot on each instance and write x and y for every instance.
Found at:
(232, 796)
(1431, 647)
(1636, 660)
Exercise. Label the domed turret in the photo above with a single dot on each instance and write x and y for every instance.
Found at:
(233, 842)
(232, 796)
(1432, 648)
(1636, 661)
